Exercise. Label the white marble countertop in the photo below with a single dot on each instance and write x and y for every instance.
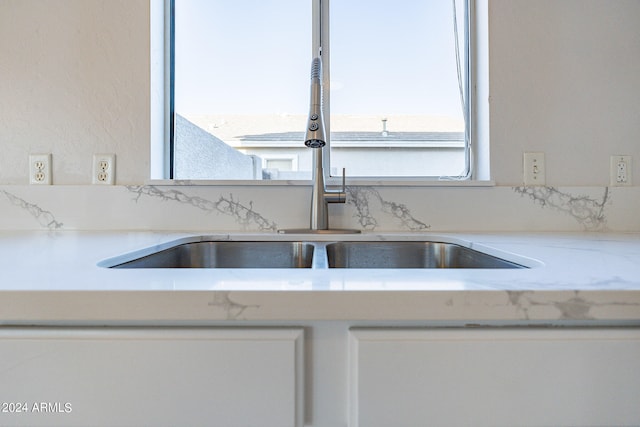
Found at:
(54, 277)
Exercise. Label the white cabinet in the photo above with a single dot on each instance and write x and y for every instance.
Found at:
(494, 377)
(151, 376)
(360, 377)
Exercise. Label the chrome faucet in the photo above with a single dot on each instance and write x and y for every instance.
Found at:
(316, 140)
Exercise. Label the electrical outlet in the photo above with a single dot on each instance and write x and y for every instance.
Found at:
(534, 170)
(620, 170)
(104, 169)
(40, 169)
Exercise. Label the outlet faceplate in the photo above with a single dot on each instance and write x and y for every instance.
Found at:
(620, 170)
(40, 169)
(534, 169)
(104, 169)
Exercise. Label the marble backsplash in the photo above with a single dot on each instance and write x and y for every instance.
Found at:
(270, 208)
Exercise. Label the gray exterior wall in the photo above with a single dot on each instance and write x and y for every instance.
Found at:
(200, 155)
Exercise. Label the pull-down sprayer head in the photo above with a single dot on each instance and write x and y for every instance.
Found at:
(314, 137)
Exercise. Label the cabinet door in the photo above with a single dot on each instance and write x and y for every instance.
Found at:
(151, 377)
(494, 377)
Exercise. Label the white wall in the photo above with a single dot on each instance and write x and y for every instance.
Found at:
(74, 80)
(565, 79)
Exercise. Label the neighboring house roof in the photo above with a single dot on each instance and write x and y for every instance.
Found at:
(360, 136)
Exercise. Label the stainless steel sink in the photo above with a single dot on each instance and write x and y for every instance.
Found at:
(214, 254)
(202, 253)
(410, 255)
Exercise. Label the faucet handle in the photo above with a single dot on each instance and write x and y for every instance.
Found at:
(342, 194)
(337, 196)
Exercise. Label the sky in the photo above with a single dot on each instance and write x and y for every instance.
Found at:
(254, 57)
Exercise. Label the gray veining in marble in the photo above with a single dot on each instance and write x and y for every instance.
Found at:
(587, 211)
(578, 307)
(44, 218)
(232, 309)
(362, 198)
(243, 215)
(574, 309)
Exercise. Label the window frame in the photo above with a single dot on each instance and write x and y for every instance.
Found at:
(320, 40)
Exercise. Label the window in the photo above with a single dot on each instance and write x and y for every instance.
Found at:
(396, 95)
(281, 166)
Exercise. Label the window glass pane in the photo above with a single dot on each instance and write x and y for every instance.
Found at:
(241, 86)
(396, 106)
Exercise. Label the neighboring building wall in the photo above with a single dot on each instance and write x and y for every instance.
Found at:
(405, 162)
(439, 161)
(200, 155)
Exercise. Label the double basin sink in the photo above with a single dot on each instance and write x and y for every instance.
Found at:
(317, 255)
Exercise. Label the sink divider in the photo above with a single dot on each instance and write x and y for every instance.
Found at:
(320, 259)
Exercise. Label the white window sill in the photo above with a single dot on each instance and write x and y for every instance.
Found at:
(382, 182)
